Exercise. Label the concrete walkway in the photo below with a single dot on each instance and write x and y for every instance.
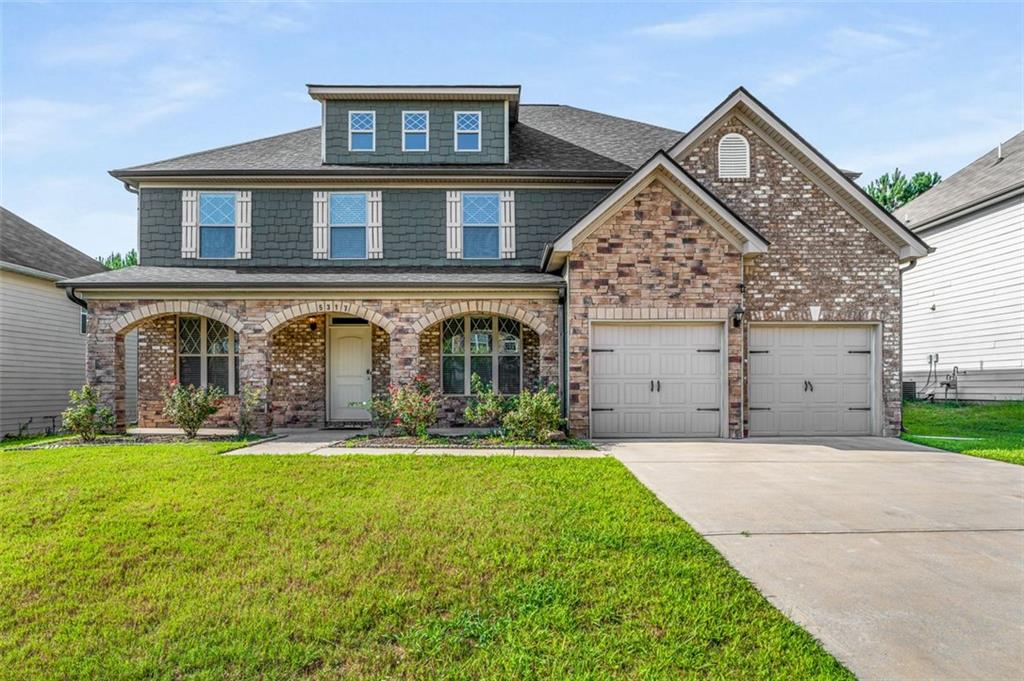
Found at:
(906, 562)
(330, 443)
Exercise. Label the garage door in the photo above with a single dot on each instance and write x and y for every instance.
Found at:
(810, 380)
(656, 380)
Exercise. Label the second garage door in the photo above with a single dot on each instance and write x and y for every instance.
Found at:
(811, 380)
(656, 380)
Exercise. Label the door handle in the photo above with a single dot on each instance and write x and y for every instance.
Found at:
(805, 385)
(659, 386)
(652, 386)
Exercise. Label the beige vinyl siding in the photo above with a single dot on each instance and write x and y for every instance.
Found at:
(42, 353)
(975, 280)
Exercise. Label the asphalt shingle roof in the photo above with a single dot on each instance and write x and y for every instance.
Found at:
(984, 178)
(547, 139)
(24, 244)
(144, 276)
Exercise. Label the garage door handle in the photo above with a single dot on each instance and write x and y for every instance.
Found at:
(602, 350)
(601, 409)
(757, 352)
(858, 352)
(708, 350)
(859, 408)
(707, 409)
(760, 408)
(652, 386)
(659, 386)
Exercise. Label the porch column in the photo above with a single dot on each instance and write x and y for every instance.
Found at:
(254, 368)
(405, 354)
(105, 369)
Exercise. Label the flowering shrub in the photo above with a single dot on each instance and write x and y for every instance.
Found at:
(382, 412)
(85, 417)
(534, 416)
(249, 403)
(415, 407)
(188, 407)
(486, 407)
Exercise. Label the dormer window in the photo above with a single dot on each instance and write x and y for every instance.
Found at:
(415, 130)
(467, 131)
(733, 157)
(362, 130)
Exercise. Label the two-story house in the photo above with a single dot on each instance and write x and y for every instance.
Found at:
(720, 282)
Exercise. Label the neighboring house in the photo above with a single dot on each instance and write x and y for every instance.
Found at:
(963, 328)
(42, 333)
(722, 282)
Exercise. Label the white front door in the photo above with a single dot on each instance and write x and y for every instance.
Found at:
(349, 371)
(656, 380)
(811, 380)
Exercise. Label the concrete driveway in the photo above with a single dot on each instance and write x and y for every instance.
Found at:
(906, 562)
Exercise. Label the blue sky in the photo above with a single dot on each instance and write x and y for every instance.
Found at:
(90, 87)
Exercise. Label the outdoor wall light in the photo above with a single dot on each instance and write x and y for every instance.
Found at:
(737, 316)
(312, 323)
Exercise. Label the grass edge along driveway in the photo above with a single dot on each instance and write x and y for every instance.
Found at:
(171, 561)
(990, 431)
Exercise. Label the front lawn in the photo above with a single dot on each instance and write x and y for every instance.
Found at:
(993, 431)
(170, 561)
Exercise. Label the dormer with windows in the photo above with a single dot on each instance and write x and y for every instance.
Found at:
(409, 125)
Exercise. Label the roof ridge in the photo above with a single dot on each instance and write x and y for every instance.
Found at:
(212, 149)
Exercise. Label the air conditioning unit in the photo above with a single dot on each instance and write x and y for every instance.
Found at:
(909, 390)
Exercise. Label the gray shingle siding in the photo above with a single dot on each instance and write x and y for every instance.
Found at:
(389, 133)
(414, 227)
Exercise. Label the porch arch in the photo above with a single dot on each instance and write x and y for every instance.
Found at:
(130, 320)
(490, 307)
(277, 319)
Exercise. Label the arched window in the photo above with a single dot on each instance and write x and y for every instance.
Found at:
(733, 156)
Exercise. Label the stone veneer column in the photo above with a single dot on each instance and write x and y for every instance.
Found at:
(105, 369)
(254, 366)
(405, 354)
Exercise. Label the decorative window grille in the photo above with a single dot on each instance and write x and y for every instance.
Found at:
(207, 354)
(491, 348)
(467, 131)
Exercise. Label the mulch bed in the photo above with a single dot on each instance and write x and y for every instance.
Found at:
(105, 440)
(459, 442)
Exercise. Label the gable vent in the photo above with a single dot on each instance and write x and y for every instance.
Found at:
(733, 156)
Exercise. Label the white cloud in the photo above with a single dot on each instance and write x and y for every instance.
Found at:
(33, 125)
(734, 20)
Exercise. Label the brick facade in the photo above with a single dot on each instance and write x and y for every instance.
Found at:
(656, 258)
(819, 254)
(281, 354)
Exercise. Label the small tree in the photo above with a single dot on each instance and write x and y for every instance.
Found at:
(188, 407)
(85, 416)
(486, 407)
(249, 403)
(897, 190)
(535, 415)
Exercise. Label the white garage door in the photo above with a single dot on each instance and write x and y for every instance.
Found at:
(810, 380)
(656, 380)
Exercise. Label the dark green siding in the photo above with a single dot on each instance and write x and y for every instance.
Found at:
(414, 227)
(389, 133)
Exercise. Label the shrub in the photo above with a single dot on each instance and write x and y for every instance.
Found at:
(188, 407)
(534, 416)
(249, 403)
(486, 407)
(85, 417)
(382, 412)
(415, 407)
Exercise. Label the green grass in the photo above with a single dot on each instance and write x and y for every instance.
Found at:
(169, 561)
(997, 427)
(9, 442)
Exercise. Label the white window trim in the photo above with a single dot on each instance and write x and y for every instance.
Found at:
(203, 383)
(405, 130)
(479, 132)
(365, 225)
(372, 131)
(467, 354)
(199, 225)
(464, 224)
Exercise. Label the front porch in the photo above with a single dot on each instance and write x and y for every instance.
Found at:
(313, 360)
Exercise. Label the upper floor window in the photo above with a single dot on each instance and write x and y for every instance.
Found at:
(490, 347)
(217, 224)
(415, 131)
(362, 130)
(480, 224)
(733, 156)
(348, 225)
(467, 131)
(207, 354)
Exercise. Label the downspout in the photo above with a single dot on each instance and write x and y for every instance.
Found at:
(903, 270)
(70, 293)
(138, 218)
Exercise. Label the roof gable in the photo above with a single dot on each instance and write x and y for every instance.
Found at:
(829, 178)
(660, 167)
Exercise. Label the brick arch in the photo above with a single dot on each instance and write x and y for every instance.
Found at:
(484, 307)
(275, 320)
(130, 320)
